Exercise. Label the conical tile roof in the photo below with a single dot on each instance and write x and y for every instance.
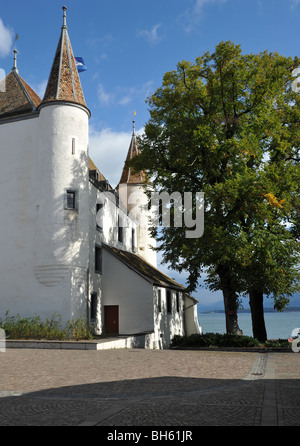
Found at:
(64, 82)
(128, 176)
(16, 96)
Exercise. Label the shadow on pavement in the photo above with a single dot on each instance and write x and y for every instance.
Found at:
(162, 401)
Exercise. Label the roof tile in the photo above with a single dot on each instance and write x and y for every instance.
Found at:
(64, 83)
(128, 175)
(16, 96)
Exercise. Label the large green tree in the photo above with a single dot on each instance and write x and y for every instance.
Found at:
(228, 125)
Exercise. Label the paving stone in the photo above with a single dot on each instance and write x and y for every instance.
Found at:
(148, 388)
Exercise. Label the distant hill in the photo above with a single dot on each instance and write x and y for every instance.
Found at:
(247, 310)
(218, 307)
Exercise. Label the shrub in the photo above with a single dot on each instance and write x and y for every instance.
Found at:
(214, 340)
(17, 327)
(79, 329)
(278, 343)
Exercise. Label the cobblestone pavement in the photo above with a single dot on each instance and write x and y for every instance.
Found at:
(148, 388)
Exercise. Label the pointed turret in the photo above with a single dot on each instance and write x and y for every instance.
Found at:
(131, 190)
(17, 97)
(128, 176)
(64, 83)
(62, 172)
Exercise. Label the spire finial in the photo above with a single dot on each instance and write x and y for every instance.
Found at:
(64, 17)
(15, 68)
(133, 122)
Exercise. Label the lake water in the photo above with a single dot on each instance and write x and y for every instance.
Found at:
(278, 325)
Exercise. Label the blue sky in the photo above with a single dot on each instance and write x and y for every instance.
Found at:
(128, 45)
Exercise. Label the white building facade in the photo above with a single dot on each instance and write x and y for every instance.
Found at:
(70, 244)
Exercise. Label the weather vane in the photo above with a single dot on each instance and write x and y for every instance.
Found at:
(15, 53)
(133, 122)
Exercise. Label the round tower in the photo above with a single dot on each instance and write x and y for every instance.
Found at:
(132, 192)
(62, 196)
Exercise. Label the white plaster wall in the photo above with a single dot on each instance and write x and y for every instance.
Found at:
(167, 324)
(43, 248)
(107, 219)
(134, 197)
(95, 238)
(123, 287)
(110, 212)
(192, 325)
(61, 245)
(20, 292)
(62, 235)
(18, 151)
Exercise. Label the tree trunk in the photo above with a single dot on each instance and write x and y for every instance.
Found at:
(230, 302)
(257, 315)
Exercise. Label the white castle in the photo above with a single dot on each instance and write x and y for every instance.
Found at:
(69, 243)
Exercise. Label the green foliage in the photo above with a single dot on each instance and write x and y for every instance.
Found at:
(228, 125)
(17, 327)
(214, 340)
(277, 343)
(78, 329)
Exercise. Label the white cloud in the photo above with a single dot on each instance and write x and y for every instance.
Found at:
(108, 150)
(104, 97)
(151, 35)
(125, 100)
(123, 95)
(147, 89)
(200, 5)
(191, 16)
(40, 88)
(294, 3)
(6, 39)
(95, 40)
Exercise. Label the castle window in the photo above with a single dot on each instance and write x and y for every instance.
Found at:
(120, 230)
(94, 304)
(99, 206)
(159, 301)
(169, 301)
(133, 240)
(73, 146)
(71, 199)
(98, 259)
(177, 302)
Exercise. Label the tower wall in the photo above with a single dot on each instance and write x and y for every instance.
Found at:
(44, 246)
(18, 148)
(44, 226)
(61, 246)
(61, 234)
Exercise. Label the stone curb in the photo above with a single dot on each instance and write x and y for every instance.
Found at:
(238, 349)
(115, 343)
